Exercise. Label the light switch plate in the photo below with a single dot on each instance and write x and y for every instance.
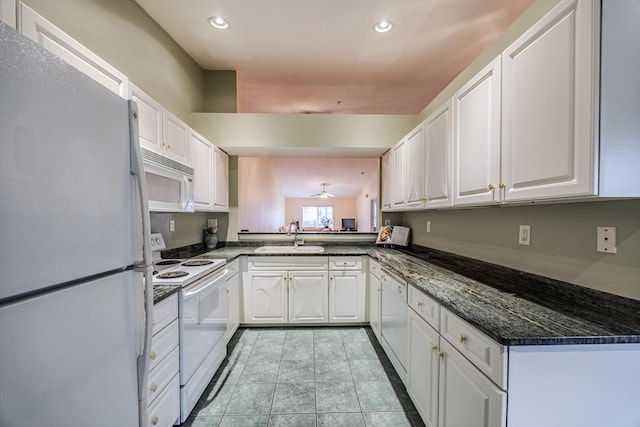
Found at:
(607, 241)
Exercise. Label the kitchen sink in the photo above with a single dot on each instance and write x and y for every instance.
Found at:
(290, 250)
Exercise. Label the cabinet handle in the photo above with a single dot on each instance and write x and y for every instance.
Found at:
(154, 387)
(419, 303)
(153, 355)
(440, 354)
(331, 278)
(154, 322)
(434, 348)
(502, 185)
(154, 420)
(491, 187)
(461, 338)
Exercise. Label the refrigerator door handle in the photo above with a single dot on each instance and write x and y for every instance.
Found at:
(137, 170)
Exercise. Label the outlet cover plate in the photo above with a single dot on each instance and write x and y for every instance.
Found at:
(607, 241)
(524, 238)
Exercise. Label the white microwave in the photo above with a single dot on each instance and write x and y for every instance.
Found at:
(169, 183)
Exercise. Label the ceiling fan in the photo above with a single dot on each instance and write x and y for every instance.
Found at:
(323, 194)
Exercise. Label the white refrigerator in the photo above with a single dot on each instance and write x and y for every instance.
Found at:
(74, 335)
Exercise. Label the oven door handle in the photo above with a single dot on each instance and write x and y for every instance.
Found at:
(201, 288)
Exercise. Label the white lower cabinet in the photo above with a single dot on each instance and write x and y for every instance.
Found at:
(446, 388)
(375, 289)
(347, 290)
(163, 393)
(304, 290)
(233, 295)
(265, 297)
(467, 397)
(308, 301)
(423, 368)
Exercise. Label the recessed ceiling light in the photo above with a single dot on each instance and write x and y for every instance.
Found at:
(383, 26)
(219, 22)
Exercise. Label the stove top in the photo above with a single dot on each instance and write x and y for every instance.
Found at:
(183, 272)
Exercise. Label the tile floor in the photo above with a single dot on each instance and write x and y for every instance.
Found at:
(305, 377)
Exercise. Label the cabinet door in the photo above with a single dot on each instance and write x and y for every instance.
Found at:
(346, 296)
(467, 397)
(423, 368)
(398, 171)
(221, 181)
(476, 147)
(265, 297)
(176, 138)
(149, 120)
(201, 158)
(387, 181)
(374, 304)
(308, 296)
(548, 106)
(233, 319)
(415, 149)
(49, 36)
(439, 137)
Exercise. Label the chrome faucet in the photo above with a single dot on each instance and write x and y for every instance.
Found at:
(293, 225)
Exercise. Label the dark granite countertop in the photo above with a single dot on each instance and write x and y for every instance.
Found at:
(161, 292)
(510, 306)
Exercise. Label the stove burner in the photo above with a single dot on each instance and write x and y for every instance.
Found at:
(168, 262)
(172, 275)
(197, 262)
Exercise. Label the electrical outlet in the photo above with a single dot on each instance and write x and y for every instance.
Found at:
(172, 225)
(524, 238)
(428, 226)
(212, 223)
(607, 241)
(387, 222)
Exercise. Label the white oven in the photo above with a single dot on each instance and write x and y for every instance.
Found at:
(169, 183)
(203, 312)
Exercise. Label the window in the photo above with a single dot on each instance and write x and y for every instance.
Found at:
(317, 216)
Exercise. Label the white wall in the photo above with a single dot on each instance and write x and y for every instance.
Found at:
(261, 205)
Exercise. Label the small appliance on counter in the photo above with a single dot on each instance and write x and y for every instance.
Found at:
(393, 235)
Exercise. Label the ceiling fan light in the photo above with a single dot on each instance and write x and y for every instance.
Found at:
(219, 22)
(383, 26)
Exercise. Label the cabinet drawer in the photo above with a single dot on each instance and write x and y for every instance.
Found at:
(345, 263)
(307, 263)
(165, 410)
(374, 268)
(162, 374)
(163, 343)
(486, 354)
(165, 312)
(425, 306)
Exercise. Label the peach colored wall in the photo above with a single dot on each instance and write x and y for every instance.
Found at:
(260, 202)
(342, 208)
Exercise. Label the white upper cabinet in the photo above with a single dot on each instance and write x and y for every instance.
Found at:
(548, 107)
(201, 158)
(221, 180)
(43, 32)
(398, 171)
(415, 181)
(149, 119)
(176, 138)
(387, 181)
(438, 129)
(8, 12)
(160, 131)
(476, 151)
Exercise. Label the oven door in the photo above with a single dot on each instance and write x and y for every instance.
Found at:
(203, 321)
